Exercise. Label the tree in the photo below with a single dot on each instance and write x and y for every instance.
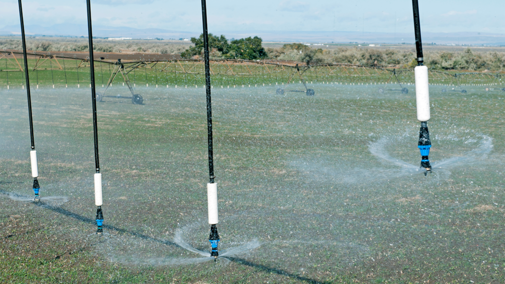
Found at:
(215, 42)
(310, 56)
(246, 48)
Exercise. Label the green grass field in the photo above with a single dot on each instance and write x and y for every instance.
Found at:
(190, 74)
(327, 185)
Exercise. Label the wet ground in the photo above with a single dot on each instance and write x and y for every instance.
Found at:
(311, 188)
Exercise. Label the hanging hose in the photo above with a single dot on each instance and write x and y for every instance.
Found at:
(33, 153)
(211, 186)
(422, 94)
(98, 175)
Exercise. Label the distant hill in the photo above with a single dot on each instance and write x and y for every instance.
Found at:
(98, 31)
(462, 38)
(346, 37)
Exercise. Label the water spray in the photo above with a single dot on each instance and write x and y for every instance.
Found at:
(98, 175)
(33, 153)
(422, 94)
(211, 186)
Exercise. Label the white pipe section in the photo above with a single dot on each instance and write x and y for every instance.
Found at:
(33, 158)
(422, 93)
(98, 189)
(212, 203)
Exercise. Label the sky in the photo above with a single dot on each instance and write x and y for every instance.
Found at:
(226, 16)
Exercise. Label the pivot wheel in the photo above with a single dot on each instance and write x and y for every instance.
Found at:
(380, 90)
(405, 91)
(310, 92)
(99, 97)
(464, 91)
(137, 99)
(279, 91)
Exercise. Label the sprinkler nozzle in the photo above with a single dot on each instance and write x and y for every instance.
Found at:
(99, 220)
(36, 189)
(424, 146)
(214, 240)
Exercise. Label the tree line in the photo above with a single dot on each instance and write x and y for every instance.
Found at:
(251, 48)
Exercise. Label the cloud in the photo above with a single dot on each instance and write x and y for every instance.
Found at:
(293, 6)
(124, 2)
(457, 13)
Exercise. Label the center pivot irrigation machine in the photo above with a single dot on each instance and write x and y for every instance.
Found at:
(119, 68)
(421, 87)
(393, 74)
(308, 92)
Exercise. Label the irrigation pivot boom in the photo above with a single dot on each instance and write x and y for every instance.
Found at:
(119, 68)
(33, 153)
(98, 175)
(422, 94)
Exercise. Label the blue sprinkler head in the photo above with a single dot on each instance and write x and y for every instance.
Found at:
(424, 146)
(214, 240)
(214, 244)
(425, 150)
(425, 160)
(36, 189)
(99, 220)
